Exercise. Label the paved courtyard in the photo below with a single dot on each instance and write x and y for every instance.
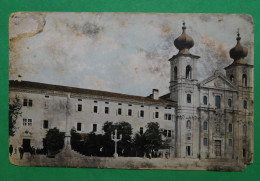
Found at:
(71, 158)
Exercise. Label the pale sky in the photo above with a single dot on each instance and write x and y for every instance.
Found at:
(119, 52)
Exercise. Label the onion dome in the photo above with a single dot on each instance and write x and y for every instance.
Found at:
(238, 53)
(184, 42)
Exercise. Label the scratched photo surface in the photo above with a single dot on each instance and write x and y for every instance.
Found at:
(131, 90)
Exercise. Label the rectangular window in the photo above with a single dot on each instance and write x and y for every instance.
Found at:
(245, 104)
(141, 130)
(129, 112)
(142, 113)
(169, 133)
(94, 128)
(25, 102)
(106, 102)
(95, 109)
(217, 102)
(45, 124)
(95, 101)
(205, 100)
(106, 110)
(79, 99)
(188, 138)
(30, 103)
(46, 96)
(156, 115)
(230, 128)
(78, 126)
(119, 111)
(24, 122)
(205, 125)
(230, 142)
(29, 122)
(167, 116)
(165, 132)
(188, 98)
(79, 107)
(205, 141)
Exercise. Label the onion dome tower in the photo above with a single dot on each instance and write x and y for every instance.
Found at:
(241, 74)
(239, 66)
(184, 42)
(184, 91)
(239, 52)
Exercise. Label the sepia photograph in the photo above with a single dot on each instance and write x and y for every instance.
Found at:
(131, 90)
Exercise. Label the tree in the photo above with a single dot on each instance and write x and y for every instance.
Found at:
(76, 143)
(139, 144)
(14, 113)
(54, 140)
(153, 136)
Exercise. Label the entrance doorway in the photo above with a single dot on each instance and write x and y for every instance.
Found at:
(217, 147)
(188, 151)
(26, 145)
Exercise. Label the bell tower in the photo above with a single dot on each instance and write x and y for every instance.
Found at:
(242, 75)
(184, 90)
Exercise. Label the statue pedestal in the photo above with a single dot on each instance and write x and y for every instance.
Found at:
(115, 155)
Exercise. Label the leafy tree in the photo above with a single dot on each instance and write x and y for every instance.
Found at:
(76, 143)
(54, 140)
(94, 145)
(14, 112)
(139, 142)
(153, 136)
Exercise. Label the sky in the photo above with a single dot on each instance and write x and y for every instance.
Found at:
(119, 52)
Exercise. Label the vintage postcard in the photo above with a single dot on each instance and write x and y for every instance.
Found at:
(131, 90)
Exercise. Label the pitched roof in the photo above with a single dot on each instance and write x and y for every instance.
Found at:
(51, 87)
(216, 75)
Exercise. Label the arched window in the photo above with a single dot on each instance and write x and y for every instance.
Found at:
(231, 78)
(188, 124)
(229, 102)
(175, 73)
(188, 72)
(244, 80)
(188, 98)
(205, 100)
(205, 125)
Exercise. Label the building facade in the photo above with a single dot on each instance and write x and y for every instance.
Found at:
(208, 119)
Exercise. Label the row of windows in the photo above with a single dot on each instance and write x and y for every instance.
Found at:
(244, 79)
(188, 72)
(205, 142)
(217, 101)
(205, 126)
(79, 127)
(167, 116)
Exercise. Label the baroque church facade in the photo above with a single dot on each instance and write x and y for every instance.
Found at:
(208, 119)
